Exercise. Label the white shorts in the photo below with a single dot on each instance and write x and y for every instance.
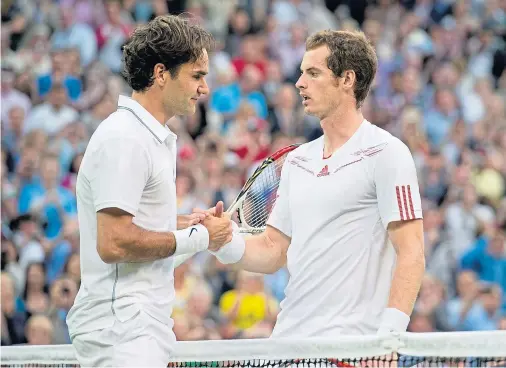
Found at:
(141, 341)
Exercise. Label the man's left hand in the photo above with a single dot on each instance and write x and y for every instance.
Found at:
(184, 221)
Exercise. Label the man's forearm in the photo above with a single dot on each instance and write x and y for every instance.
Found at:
(140, 245)
(408, 275)
(133, 244)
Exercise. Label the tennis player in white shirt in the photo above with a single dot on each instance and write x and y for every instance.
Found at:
(347, 222)
(126, 196)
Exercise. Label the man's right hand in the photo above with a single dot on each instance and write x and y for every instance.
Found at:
(216, 211)
(220, 231)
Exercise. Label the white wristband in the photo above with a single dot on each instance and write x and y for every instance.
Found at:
(233, 251)
(191, 240)
(393, 320)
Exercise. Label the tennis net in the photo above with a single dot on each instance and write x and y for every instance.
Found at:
(462, 349)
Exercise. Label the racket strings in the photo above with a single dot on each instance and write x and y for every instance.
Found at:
(261, 197)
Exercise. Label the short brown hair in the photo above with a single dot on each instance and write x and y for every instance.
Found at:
(167, 39)
(349, 50)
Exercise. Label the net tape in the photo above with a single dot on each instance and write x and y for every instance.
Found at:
(475, 348)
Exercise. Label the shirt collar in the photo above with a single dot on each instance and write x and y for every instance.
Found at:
(161, 132)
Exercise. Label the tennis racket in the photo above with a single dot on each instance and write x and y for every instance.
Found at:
(256, 199)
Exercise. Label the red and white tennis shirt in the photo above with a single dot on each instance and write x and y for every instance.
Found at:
(336, 211)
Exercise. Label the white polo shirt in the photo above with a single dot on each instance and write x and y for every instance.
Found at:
(336, 211)
(130, 163)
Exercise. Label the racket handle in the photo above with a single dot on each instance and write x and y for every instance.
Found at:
(182, 258)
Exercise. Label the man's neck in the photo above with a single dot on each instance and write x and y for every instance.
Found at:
(49, 185)
(57, 107)
(339, 128)
(153, 104)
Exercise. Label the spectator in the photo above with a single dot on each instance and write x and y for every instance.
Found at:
(477, 307)
(227, 99)
(48, 199)
(27, 165)
(62, 294)
(421, 323)
(251, 55)
(430, 304)
(39, 330)
(186, 194)
(62, 70)
(488, 260)
(53, 115)
(285, 116)
(12, 138)
(11, 97)
(28, 240)
(440, 119)
(204, 317)
(13, 322)
(75, 34)
(184, 283)
(61, 254)
(221, 279)
(35, 292)
(249, 303)
(290, 52)
(463, 220)
(181, 327)
(112, 34)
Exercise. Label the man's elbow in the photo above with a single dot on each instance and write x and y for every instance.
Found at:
(263, 255)
(281, 262)
(278, 252)
(109, 246)
(109, 252)
(272, 269)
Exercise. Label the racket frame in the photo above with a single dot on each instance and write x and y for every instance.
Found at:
(244, 228)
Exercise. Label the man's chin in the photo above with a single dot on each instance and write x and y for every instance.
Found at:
(189, 111)
(313, 113)
(308, 111)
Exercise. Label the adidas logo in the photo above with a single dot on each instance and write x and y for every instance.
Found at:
(324, 171)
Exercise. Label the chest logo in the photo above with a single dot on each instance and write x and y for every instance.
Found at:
(324, 171)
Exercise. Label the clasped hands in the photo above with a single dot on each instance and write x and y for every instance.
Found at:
(217, 222)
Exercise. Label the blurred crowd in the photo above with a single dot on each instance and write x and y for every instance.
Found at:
(440, 87)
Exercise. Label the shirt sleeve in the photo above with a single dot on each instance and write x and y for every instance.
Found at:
(396, 183)
(280, 215)
(119, 175)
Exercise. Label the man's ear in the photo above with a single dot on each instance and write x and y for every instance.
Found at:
(160, 74)
(349, 78)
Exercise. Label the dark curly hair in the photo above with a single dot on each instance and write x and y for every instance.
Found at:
(349, 51)
(167, 39)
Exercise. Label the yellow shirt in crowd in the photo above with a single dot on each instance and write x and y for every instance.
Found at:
(253, 308)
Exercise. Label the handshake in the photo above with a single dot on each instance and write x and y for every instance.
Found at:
(210, 229)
